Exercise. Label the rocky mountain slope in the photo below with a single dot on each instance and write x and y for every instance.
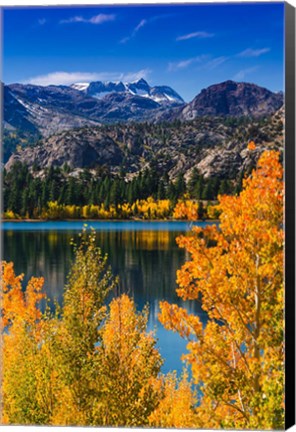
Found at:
(50, 109)
(32, 111)
(216, 146)
(229, 99)
(16, 115)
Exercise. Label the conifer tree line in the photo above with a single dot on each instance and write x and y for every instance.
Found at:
(26, 194)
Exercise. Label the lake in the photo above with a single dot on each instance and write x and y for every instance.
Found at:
(144, 255)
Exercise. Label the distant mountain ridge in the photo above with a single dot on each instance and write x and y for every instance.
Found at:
(54, 108)
(229, 99)
(234, 99)
(35, 111)
(160, 94)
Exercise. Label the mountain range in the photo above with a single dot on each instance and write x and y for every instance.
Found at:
(162, 95)
(232, 99)
(51, 109)
(217, 147)
(128, 125)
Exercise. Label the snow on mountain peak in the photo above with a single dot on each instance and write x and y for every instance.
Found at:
(139, 81)
(163, 95)
(80, 86)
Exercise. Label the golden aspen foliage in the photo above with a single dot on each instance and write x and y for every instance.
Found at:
(236, 271)
(177, 408)
(86, 363)
(145, 209)
(130, 363)
(9, 214)
(90, 281)
(21, 320)
(251, 145)
(186, 209)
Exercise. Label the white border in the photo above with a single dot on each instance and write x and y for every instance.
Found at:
(107, 3)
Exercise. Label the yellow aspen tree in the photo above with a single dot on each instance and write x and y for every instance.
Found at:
(236, 272)
(186, 209)
(90, 281)
(130, 365)
(177, 407)
(21, 320)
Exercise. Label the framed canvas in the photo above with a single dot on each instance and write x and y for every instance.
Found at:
(148, 215)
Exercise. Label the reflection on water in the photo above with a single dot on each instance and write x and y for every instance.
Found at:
(145, 260)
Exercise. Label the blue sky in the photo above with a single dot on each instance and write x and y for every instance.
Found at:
(188, 47)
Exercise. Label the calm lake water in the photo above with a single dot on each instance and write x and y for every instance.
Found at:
(144, 255)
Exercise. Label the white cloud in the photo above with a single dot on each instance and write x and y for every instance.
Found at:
(135, 76)
(199, 34)
(204, 62)
(215, 62)
(141, 24)
(96, 19)
(41, 21)
(183, 64)
(66, 78)
(161, 17)
(241, 75)
(250, 52)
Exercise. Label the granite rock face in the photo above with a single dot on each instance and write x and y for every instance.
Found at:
(233, 99)
(89, 150)
(217, 147)
(228, 99)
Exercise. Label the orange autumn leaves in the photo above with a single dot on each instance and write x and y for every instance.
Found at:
(251, 145)
(23, 331)
(131, 365)
(19, 308)
(93, 364)
(186, 209)
(88, 363)
(237, 272)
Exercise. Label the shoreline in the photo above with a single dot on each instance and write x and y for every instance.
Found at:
(107, 220)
